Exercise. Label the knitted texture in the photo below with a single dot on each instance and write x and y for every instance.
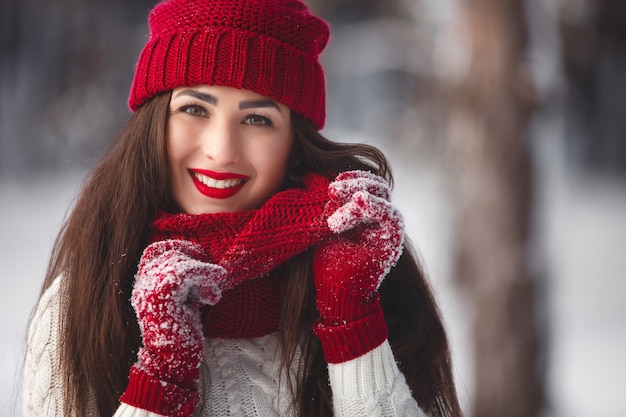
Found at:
(270, 47)
(237, 376)
(193, 260)
(252, 244)
(349, 268)
(367, 386)
(172, 282)
(152, 394)
(42, 389)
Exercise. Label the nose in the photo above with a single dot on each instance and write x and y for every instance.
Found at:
(221, 143)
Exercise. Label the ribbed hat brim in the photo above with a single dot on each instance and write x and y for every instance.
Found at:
(229, 57)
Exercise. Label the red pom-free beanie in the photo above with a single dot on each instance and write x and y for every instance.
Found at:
(270, 47)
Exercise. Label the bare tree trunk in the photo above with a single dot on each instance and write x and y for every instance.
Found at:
(487, 121)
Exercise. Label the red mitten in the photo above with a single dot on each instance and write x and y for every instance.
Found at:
(172, 282)
(349, 268)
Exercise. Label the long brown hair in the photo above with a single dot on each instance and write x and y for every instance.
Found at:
(416, 331)
(100, 243)
(97, 252)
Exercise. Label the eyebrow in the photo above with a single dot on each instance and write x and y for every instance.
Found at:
(209, 98)
(249, 104)
(244, 105)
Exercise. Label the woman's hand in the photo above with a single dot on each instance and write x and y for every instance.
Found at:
(349, 268)
(172, 283)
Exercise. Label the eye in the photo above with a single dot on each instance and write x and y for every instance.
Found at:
(193, 110)
(256, 120)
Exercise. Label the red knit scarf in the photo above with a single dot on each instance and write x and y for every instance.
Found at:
(252, 244)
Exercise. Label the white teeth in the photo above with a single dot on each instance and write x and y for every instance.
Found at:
(220, 184)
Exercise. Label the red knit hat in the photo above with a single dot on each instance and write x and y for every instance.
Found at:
(270, 47)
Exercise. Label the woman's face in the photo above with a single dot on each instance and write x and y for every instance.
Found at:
(227, 148)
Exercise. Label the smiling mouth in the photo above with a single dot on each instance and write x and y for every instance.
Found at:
(219, 184)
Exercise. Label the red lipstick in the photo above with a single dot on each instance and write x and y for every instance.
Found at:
(218, 185)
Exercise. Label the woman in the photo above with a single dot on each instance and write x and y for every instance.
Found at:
(224, 258)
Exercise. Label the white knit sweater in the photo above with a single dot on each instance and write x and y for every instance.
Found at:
(239, 377)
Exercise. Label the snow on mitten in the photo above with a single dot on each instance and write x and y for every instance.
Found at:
(172, 282)
(349, 268)
(348, 183)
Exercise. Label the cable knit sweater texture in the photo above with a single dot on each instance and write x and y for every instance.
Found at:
(239, 377)
(240, 370)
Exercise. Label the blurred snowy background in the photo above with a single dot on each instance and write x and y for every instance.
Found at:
(506, 129)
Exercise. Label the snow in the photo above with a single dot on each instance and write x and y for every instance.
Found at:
(365, 200)
(579, 244)
(30, 214)
(582, 220)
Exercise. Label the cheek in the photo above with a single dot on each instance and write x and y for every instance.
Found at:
(272, 161)
(177, 148)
